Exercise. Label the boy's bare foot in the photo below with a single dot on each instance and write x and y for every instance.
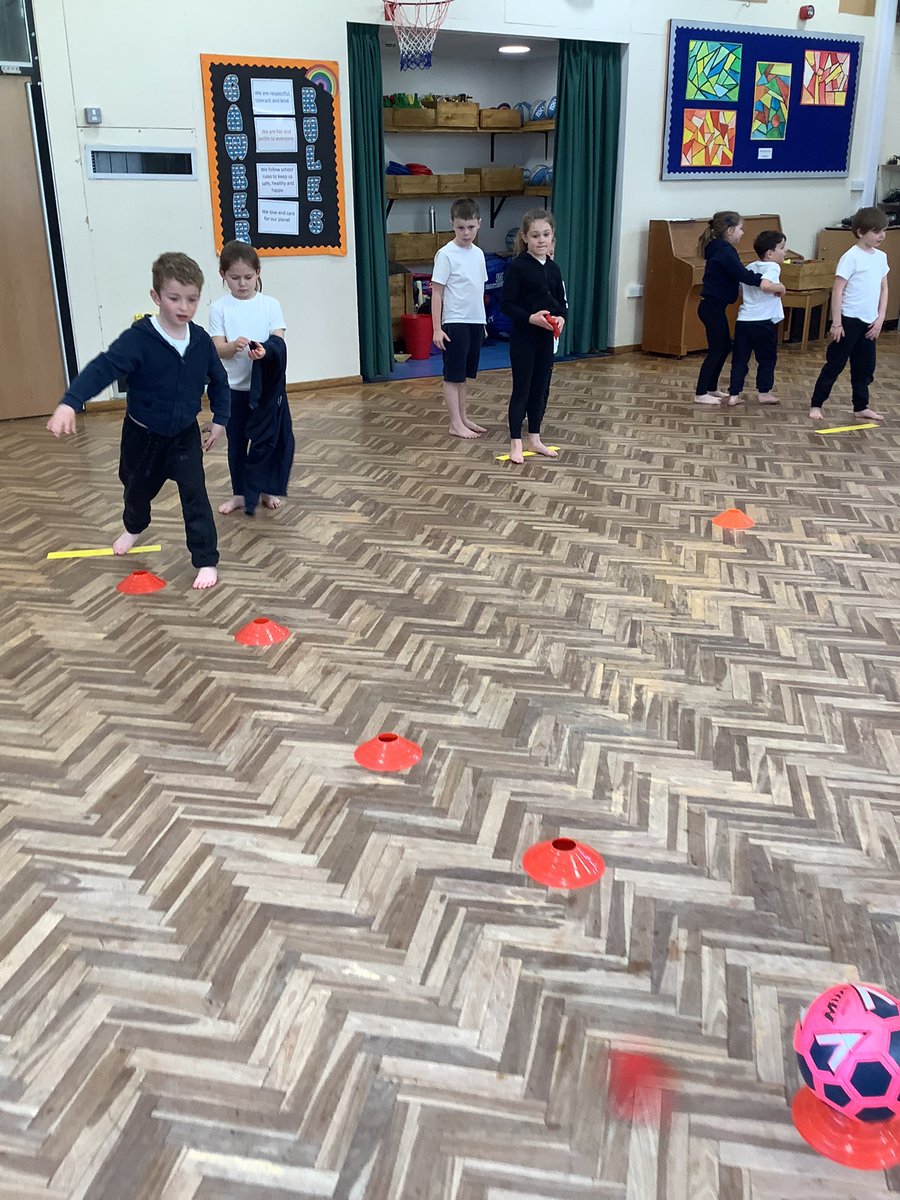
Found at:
(815, 414)
(735, 400)
(124, 542)
(535, 444)
(476, 428)
(515, 451)
(707, 398)
(463, 431)
(231, 505)
(870, 414)
(272, 501)
(768, 398)
(207, 577)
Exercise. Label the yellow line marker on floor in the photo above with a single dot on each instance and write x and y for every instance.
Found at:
(100, 553)
(525, 454)
(850, 428)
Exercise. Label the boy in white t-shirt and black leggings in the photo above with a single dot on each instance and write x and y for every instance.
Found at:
(756, 327)
(457, 312)
(858, 306)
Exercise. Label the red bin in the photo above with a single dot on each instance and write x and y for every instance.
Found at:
(416, 329)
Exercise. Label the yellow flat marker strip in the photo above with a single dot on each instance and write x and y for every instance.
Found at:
(850, 428)
(100, 553)
(525, 454)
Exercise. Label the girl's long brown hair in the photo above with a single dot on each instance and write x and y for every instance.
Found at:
(716, 228)
(533, 214)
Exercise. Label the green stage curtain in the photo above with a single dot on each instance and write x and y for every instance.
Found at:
(376, 346)
(588, 91)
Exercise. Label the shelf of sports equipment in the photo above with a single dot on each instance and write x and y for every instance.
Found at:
(494, 194)
(544, 127)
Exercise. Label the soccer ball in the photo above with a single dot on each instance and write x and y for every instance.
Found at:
(848, 1049)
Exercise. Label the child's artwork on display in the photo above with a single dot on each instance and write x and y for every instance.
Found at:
(273, 137)
(758, 103)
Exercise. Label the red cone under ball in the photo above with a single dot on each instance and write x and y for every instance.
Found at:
(733, 518)
(563, 863)
(388, 752)
(635, 1082)
(865, 1145)
(261, 632)
(138, 583)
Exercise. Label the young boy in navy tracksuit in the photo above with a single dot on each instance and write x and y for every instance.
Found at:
(168, 363)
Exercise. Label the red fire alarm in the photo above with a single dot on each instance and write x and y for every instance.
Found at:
(807, 12)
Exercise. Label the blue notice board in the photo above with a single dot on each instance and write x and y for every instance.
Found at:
(758, 103)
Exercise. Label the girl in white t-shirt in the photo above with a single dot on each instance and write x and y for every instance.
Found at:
(239, 325)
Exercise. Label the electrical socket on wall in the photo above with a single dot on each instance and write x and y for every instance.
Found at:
(634, 291)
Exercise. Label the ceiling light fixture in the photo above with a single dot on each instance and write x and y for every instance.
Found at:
(515, 50)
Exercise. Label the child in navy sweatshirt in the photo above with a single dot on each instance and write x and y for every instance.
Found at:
(721, 280)
(168, 362)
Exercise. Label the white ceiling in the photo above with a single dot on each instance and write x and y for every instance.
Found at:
(453, 46)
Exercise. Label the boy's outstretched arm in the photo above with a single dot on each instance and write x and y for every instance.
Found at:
(118, 361)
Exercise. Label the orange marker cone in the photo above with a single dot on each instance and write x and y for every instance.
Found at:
(563, 863)
(261, 632)
(633, 1080)
(733, 518)
(867, 1146)
(138, 583)
(388, 752)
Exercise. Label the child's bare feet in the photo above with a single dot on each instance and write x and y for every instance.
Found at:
(474, 426)
(231, 505)
(515, 451)
(707, 398)
(207, 577)
(272, 501)
(815, 414)
(535, 444)
(463, 431)
(124, 542)
(768, 398)
(735, 400)
(870, 414)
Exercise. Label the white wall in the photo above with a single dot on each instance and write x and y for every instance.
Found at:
(141, 65)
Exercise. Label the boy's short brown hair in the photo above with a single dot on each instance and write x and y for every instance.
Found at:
(865, 220)
(175, 265)
(465, 210)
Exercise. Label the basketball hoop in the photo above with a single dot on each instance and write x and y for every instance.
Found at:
(416, 27)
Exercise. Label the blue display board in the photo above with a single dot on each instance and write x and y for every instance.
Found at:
(758, 103)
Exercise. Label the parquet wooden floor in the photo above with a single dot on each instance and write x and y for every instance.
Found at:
(235, 966)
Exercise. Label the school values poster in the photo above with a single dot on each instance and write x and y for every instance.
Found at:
(273, 137)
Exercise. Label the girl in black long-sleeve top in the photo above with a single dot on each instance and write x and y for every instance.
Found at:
(721, 282)
(532, 291)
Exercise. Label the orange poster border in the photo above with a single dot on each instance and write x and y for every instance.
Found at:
(208, 60)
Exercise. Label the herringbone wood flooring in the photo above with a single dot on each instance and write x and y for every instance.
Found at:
(233, 965)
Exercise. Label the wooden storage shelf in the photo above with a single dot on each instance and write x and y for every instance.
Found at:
(499, 193)
(531, 127)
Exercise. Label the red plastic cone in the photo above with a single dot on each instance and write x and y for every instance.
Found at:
(388, 752)
(633, 1080)
(261, 632)
(138, 583)
(733, 518)
(867, 1146)
(563, 863)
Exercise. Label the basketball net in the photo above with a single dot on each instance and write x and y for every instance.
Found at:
(416, 27)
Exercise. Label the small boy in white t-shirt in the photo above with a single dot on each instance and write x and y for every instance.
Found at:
(457, 312)
(756, 328)
(858, 306)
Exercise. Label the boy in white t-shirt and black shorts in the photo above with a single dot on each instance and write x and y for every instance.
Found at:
(457, 312)
(858, 306)
(756, 328)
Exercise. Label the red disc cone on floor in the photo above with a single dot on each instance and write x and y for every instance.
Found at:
(733, 518)
(563, 863)
(138, 583)
(635, 1080)
(261, 632)
(388, 752)
(865, 1145)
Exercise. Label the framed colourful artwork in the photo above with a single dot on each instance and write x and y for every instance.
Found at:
(758, 103)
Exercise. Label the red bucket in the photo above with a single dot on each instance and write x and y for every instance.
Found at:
(416, 331)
